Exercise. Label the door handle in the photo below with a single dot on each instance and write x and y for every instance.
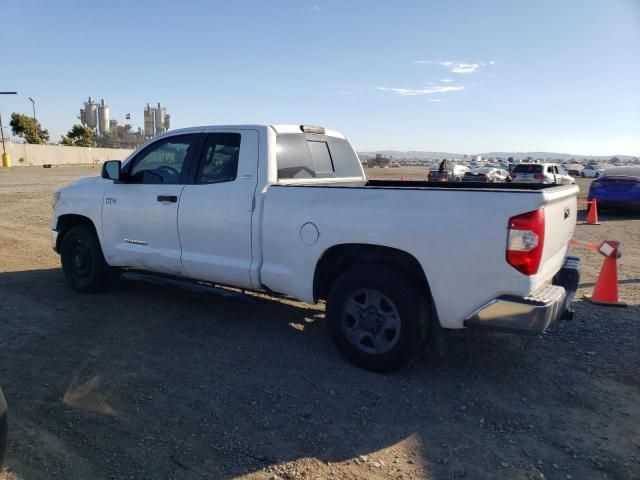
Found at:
(167, 198)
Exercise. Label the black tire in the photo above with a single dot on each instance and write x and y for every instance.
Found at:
(410, 301)
(83, 264)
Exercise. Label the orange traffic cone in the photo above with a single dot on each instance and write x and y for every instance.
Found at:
(606, 289)
(592, 215)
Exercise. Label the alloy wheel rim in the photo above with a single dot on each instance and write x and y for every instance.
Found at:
(371, 322)
(81, 265)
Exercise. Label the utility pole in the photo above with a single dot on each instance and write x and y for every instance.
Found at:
(35, 121)
(6, 161)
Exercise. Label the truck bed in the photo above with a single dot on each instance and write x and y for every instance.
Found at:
(458, 185)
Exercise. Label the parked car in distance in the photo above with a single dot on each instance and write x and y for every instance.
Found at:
(486, 174)
(617, 187)
(3, 427)
(454, 173)
(500, 165)
(573, 169)
(549, 173)
(593, 171)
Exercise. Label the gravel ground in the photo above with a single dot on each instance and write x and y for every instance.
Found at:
(152, 382)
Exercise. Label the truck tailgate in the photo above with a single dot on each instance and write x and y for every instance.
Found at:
(560, 211)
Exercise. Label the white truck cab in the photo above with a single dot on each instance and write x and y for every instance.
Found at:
(287, 209)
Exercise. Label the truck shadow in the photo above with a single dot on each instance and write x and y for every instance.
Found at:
(147, 380)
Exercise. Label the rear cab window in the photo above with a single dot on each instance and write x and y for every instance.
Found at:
(304, 156)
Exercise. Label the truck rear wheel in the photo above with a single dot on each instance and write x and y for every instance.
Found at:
(378, 317)
(83, 264)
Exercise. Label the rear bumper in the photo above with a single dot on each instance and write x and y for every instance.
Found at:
(530, 315)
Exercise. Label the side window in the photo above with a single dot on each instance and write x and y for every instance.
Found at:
(162, 162)
(549, 169)
(555, 169)
(219, 162)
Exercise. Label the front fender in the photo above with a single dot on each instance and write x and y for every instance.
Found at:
(84, 198)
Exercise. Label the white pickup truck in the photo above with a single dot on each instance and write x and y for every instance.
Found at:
(287, 209)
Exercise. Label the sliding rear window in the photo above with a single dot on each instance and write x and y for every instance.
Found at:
(528, 168)
(301, 156)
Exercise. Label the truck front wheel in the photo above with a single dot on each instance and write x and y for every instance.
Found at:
(82, 260)
(378, 317)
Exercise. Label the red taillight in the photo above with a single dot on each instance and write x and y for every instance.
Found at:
(539, 176)
(525, 241)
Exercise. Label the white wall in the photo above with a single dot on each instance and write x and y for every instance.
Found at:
(23, 154)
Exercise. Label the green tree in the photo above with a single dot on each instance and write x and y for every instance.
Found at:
(27, 128)
(79, 136)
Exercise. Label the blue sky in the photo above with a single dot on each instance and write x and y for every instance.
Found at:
(463, 76)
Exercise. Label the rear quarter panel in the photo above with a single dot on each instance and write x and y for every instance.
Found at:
(457, 236)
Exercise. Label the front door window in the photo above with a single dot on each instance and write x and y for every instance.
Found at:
(162, 162)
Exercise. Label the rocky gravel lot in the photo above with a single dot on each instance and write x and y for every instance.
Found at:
(152, 382)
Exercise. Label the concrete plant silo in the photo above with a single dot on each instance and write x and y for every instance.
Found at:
(103, 116)
(159, 119)
(148, 121)
(91, 113)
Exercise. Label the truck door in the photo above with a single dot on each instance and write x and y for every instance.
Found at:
(214, 219)
(140, 214)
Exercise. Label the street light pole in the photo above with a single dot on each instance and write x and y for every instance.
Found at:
(4, 149)
(6, 161)
(35, 122)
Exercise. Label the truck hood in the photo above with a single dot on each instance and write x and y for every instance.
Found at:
(83, 181)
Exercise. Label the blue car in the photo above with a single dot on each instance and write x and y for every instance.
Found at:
(617, 187)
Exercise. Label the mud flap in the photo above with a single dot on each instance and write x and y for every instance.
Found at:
(569, 278)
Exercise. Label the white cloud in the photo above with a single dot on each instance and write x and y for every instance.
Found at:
(464, 67)
(454, 66)
(446, 80)
(435, 99)
(420, 91)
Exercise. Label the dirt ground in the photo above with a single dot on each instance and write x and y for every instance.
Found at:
(152, 382)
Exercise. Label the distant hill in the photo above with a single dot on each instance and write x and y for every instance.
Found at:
(424, 155)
